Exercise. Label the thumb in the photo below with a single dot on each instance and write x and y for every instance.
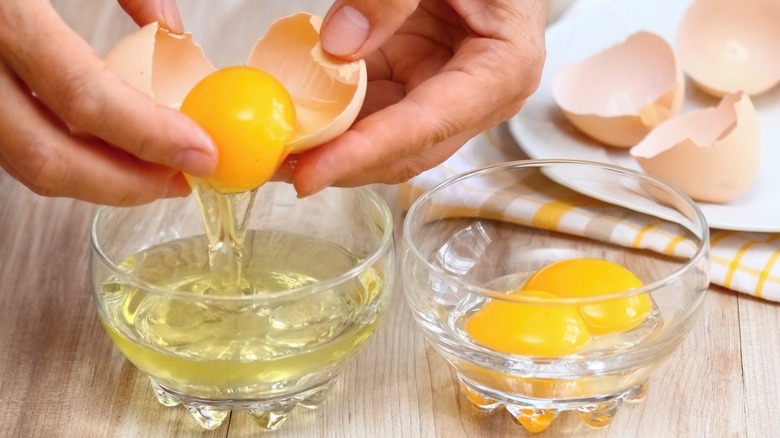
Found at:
(146, 11)
(354, 28)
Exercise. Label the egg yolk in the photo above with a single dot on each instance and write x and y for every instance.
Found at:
(587, 277)
(250, 116)
(528, 329)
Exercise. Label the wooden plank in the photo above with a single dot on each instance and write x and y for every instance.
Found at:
(759, 328)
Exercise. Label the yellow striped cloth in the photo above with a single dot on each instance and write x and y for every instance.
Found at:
(746, 262)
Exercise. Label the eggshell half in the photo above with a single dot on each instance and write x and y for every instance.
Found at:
(618, 95)
(713, 155)
(327, 93)
(727, 46)
(162, 65)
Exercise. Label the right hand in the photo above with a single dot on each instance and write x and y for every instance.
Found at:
(439, 73)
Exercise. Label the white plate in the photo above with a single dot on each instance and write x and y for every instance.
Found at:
(542, 131)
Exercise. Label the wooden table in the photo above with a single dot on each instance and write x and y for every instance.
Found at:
(60, 376)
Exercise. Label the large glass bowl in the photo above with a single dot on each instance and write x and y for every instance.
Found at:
(479, 236)
(320, 271)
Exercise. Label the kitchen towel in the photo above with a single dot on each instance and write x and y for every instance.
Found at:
(746, 262)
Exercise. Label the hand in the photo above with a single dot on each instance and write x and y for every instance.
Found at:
(70, 127)
(439, 71)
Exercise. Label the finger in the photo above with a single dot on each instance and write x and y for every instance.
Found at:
(37, 150)
(430, 114)
(68, 76)
(375, 150)
(405, 166)
(354, 28)
(144, 12)
(485, 83)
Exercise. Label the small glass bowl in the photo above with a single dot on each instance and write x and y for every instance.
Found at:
(318, 272)
(479, 236)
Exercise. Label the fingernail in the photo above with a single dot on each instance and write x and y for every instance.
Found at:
(196, 162)
(311, 192)
(345, 32)
(313, 189)
(170, 13)
(285, 170)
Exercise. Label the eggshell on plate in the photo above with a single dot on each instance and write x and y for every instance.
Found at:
(327, 93)
(713, 155)
(618, 95)
(727, 46)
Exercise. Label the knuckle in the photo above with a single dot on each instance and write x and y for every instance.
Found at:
(83, 109)
(88, 108)
(404, 6)
(129, 198)
(42, 172)
(405, 170)
(39, 190)
(401, 8)
(444, 130)
(431, 129)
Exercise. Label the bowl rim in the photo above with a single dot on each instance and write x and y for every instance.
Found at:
(384, 245)
(701, 253)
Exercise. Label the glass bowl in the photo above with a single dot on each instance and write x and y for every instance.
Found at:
(476, 239)
(318, 271)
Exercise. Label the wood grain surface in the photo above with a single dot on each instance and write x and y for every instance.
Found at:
(60, 376)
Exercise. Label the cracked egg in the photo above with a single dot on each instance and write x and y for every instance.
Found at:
(727, 46)
(327, 93)
(713, 155)
(619, 94)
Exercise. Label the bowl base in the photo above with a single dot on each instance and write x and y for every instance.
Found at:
(537, 417)
(268, 413)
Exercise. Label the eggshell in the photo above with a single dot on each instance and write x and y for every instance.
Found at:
(727, 46)
(618, 95)
(162, 65)
(713, 155)
(328, 93)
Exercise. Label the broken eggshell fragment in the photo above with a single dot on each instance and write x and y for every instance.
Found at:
(160, 64)
(327, 93)
(713, 155)
(726, 46)
(619, 94)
